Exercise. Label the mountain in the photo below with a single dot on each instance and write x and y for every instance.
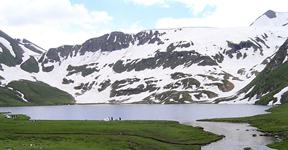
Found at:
(272, 18)
(19, 56)
(183, 65)
(271, 85)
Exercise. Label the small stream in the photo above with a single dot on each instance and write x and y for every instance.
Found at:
(237, 136)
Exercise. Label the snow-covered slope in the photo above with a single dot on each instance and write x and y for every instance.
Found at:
(14, 52)
(272, 18)
(183, 65)
(270, 86)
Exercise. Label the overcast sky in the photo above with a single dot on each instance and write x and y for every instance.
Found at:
(52, 23)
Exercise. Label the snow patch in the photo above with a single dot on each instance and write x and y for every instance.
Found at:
(272, 19)
(279, 95)
(8, 46)
(22, 96)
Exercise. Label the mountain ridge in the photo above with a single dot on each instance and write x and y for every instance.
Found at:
(272, 18)
(182, 65)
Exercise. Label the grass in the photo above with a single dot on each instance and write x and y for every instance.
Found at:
(275, 122)
(24, 134)
(269, 81)
(39, 93)
(10, 98)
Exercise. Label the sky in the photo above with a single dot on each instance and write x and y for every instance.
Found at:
(52, 23)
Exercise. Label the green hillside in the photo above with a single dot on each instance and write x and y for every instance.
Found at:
(271, 80)
(10, 98)
(37, 93)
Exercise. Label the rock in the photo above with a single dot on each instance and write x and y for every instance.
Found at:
(270, 14)
(165, 60)
(247, 148)
(30, 65)
(103, 85)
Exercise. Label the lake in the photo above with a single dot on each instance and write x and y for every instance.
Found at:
(177, 112)
(237, 136)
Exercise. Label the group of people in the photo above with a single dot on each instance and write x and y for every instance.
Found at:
(111, 119)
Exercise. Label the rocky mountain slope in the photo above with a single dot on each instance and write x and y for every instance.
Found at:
(271, 85)
(18, 57)
(183, 65)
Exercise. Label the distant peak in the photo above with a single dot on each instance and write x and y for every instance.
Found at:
(272, 18)
(270, 14)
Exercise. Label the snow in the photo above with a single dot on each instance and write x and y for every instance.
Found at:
(8, 46)
(207, 42)
(22, 96)
(279, 95)
(21, 41)
(286, 58)
(27, 53)
(15, 73)
(281, 19)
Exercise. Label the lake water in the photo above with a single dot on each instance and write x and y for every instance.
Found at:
(237, 136)
(177, 112)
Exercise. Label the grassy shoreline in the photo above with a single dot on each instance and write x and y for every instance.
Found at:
(274, 123)
(20, 133)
